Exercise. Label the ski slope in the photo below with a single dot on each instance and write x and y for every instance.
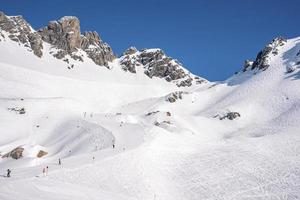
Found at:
(162, 150)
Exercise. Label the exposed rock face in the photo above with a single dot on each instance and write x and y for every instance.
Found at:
(199, 80)
(290, 69)
(247, 65)
(186, 82)
(130, 51)
(65, 37)
(100, 52)
(20, 111)
(64, 34)
(41, 153)
(36, 43)
(262, 59)
(15, 153)
(90, 38)
(232, 115)
(129, 63)
(152, 113)
(20, 31)
(156, 123)
(174, 96)
(157, 64)
(229, 115)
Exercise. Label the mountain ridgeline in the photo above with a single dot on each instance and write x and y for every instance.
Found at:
(67, 42)
(66, 39)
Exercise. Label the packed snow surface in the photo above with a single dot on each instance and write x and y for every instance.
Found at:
(119, 137)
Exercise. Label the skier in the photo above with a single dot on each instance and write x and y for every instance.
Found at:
(8, 172)
(59, 161)
(113, 143)
(47, 169)
(93, 158)
(44, 171)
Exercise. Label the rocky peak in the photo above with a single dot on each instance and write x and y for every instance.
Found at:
(14, 24)
(71, 28)
(65, 38)
(64, 33)
(247, 65)
(90, 38)
(157, 64)
(263, 57)
(100, 52)
(130, 51)
(20, 31)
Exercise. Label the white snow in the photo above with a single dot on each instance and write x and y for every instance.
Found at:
(180, 152)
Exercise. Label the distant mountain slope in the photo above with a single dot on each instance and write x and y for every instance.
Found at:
(142, 126)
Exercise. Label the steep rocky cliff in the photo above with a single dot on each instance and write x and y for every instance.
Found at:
(66, 41)
(157, 64)
(20, 31)
(263, 57)
(63, 34)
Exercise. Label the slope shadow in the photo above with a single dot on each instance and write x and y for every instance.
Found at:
(238, 79)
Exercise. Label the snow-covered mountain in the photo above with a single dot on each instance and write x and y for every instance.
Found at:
(141, 126)
(68, 44)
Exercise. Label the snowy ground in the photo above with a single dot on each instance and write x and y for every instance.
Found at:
(180, 152)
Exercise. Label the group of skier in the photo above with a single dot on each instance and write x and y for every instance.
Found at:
(46, 169)
(8, 173)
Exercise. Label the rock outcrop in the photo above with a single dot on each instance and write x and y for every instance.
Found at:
(157, 64)
(229, 115)
(100, 52)
(65, 35)
(247, 65)
(36, 43)
(41, 153)
(290, 69)
(174, 96)
(20, 111)
(130, 51)
(129, 63)
(262, 59)
(15, 153)
(66, 41)
(20, 31)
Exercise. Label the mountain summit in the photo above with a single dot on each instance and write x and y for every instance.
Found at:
(66, 40)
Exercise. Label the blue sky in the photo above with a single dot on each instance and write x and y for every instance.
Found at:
(211, 38)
